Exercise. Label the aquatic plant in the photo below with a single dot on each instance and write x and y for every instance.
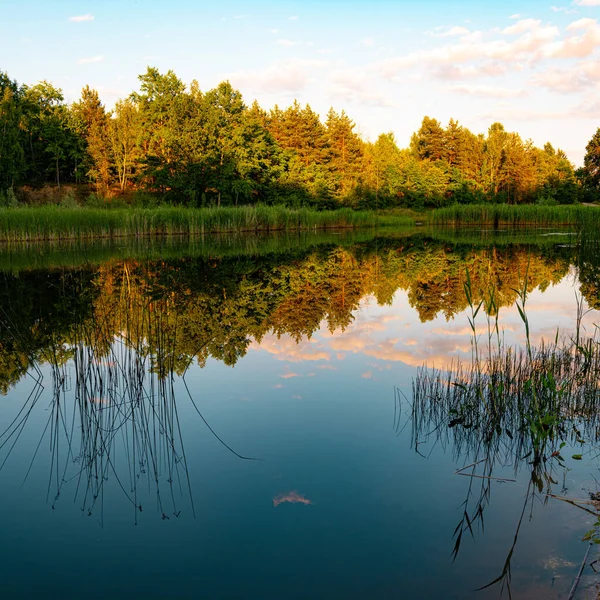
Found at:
(510, 407)
(516, 215)
(63, 223)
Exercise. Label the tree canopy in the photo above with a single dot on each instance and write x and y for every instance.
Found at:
(199, 147)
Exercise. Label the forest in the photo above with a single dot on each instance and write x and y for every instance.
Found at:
(176, 144)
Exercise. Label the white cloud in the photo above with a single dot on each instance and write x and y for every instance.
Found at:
(294, 18)
(577, 46)
(584, 74)
(458, 73)
(92, 59)
(518, 113)
(282, 77)
(488, 91)
(531, 42)
(356, 86)
(286, 43)
(367, 42)
(452, 31)
(522, 26)
(81, 18)
(587, 2)
(564, 9)
(515, 16)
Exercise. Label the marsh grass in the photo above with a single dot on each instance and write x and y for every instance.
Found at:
(514, 215)
(64, 223)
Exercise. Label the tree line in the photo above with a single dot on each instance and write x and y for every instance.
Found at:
(200, 148)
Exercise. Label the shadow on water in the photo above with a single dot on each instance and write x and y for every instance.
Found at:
(516, 409)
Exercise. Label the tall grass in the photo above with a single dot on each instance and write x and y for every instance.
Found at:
(514, 215)
(59, 223)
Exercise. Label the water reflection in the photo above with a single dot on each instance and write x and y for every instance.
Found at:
(511, 408)
(113, 413)
(121, 340)
(220, 307)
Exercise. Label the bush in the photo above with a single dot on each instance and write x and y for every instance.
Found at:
(95, 201)
(8, 199)
(69, 200)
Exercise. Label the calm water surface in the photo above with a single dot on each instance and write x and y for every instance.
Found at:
(235, 421)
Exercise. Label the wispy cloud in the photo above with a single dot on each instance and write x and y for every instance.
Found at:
(587, 2)
(91, 59)
(283, 77)
(287, 43)
(585, 74)
(522, 26)
(81, 18)
(488, 91)
(563, 9)
(524, 44)
(356, 86)
(293, 18)
(451, 32)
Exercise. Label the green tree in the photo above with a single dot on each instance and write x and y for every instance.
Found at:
(345, 152)
(158, 105)
(124, 131)
(429, 143)
(92, 124)
(12, 159)
(54, 143)
(591, 166)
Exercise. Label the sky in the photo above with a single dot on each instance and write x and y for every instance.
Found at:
(532, 65)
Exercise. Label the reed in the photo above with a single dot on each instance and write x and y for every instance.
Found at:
(60, 223)
(515, 215)
(511, 407)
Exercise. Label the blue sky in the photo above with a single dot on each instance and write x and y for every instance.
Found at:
(531, 65)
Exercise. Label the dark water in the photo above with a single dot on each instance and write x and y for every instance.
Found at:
(234, 419)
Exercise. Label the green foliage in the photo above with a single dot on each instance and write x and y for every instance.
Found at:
(209, 148)
(590, 175)
(69, 201)
(95, 201)
(8, 199)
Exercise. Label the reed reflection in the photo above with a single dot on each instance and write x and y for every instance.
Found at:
(114, 411)
(510, 410)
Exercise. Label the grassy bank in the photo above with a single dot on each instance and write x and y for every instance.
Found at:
(513, 215)
(58, 223)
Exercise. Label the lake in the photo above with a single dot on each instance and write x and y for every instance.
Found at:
(235, 418)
